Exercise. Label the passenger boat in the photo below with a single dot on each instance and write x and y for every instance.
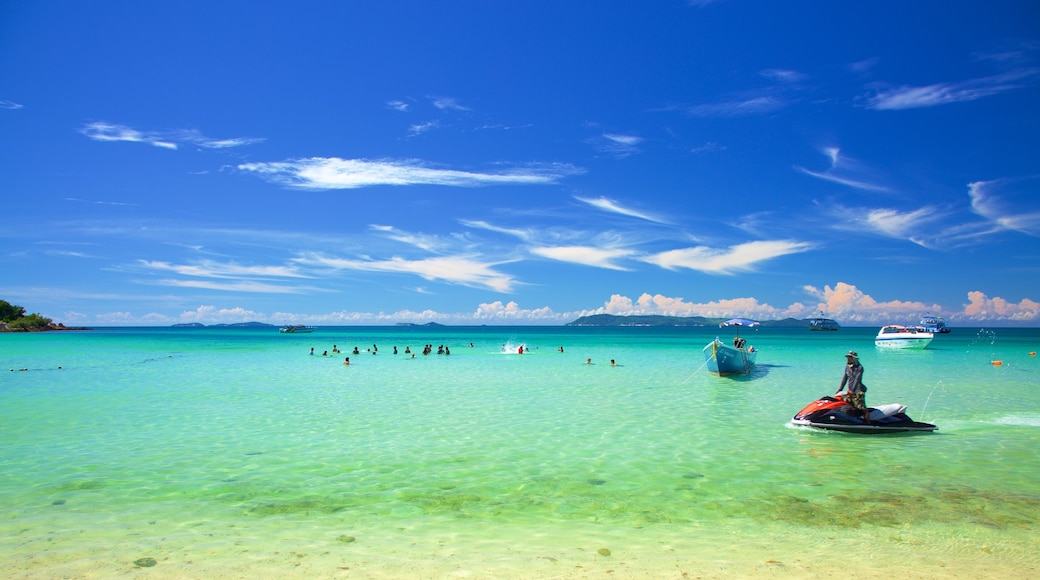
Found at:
(934, 324)
(723, 359)
(821, 323)
(899, 336)
(295, 329)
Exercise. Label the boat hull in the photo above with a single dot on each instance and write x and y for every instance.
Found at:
(914, 342)
(864, 429)
(723, 359)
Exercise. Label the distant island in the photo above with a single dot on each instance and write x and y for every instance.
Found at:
(657, 320)
(233, 325)
(414, 324)
(14, 319)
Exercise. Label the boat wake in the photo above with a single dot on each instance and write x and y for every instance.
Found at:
(1019, 420)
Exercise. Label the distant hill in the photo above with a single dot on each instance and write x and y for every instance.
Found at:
(414, 324)
(233, 325)
(656, 320)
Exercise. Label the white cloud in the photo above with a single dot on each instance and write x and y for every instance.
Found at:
(243, 286)
(420, 128)
(756, 105)
(102, 131)
(448, 104)
(616, 144)
(909, 97)
(844, 171)
(657, 304)
(209, 269)
(1021, 215)
(336, 173)
(738, 258)
(9, 105)
(483, 225)
(848, 303)
(614, 207)
(585, 255)
(398, 105)
(464, 270)
(511, 311)
(902, 225)
(981, 307)
(424, 242)
(782, 75)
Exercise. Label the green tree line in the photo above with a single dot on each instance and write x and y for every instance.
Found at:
(16, 319)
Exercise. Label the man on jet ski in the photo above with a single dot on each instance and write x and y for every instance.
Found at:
(853, 380)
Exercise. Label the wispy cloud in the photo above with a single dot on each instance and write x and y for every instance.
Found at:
(844, 171)
(483, 225)
(98, 202)
(102, 131)
(863, 66)
(448, 104)
(910, 97)
(463, 270)
(738, 258)
(9, 105)
(1021, 214)
(616, 144)
(336, 173)
(423, 242)
(753, 105)
(922, 226)
(614, 207)
(245, 286)
(398, 105)
(420, 128)
(585, 255)
(210, 269)
(783, 75)
(902, 225)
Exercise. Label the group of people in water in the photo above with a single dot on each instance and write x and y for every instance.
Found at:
(427, 349)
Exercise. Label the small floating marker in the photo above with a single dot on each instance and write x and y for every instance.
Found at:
(1033, 353)
(997, 363)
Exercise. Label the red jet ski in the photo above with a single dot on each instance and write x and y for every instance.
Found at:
(835, 414)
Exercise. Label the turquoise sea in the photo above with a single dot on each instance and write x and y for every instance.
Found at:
(233, 453)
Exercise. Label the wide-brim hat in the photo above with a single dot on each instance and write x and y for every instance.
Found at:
(852, 354)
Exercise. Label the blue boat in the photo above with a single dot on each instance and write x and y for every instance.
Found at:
(723, 359)
(934, 324)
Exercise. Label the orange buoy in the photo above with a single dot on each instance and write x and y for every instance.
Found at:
(1032, 353)
(997, 363)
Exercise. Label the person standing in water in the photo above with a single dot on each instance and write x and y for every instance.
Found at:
(852, 381)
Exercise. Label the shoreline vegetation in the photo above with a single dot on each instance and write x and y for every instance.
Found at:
(14, 319)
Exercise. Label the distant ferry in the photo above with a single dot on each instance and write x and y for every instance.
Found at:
(821, 323)
(934, 324)
(295, 329)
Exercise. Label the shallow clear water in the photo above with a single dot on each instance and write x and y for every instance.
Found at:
(234, 452)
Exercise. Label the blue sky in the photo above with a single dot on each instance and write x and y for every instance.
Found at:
(520, 162)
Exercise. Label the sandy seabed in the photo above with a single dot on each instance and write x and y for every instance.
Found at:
(484, 550)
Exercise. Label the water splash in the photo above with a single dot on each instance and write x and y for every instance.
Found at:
(938, 384)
